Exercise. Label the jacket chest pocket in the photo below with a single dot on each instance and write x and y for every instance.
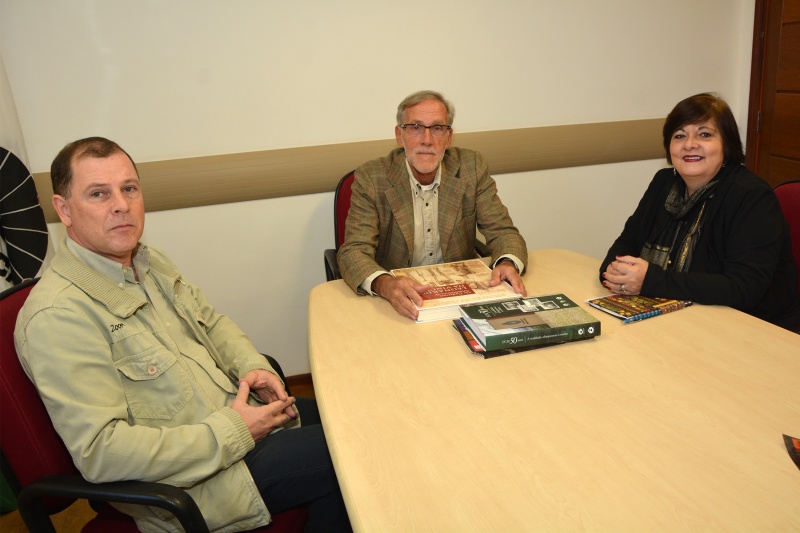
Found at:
(156, 385)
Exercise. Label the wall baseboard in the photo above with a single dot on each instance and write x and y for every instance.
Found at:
(301, 385)
(220, 179)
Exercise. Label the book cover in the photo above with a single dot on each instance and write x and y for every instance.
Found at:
(476, 348)
(632, 308)
(454, 284)
(533, 321)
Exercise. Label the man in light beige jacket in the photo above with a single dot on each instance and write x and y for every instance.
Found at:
(144, 380)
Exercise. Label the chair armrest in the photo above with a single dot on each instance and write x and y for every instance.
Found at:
(167, 497)
(331, 265)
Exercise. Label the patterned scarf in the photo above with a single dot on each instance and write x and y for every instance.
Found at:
(673, 245)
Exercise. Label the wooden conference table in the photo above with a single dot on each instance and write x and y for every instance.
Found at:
(674, 423)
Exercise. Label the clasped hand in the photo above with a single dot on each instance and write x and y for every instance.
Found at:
(625, 275)
(277, 411)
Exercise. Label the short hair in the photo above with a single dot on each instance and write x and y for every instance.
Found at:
(421, 96)
(61, 168)
(701, 108)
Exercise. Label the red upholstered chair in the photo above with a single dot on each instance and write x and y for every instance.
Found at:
(341, 206)
(38, 466)
(788, 194)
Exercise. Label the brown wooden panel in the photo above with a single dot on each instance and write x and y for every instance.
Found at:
(758, 80)
(786, 126)
(791, 11)
(788, 64)
(220, 179)
(782, 170)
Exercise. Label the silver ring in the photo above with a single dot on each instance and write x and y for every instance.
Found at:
(622, 287)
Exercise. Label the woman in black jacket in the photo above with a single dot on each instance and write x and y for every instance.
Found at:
(708, 229)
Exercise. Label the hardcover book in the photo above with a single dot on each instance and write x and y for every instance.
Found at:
(528, 322)
(454, 284)
(632, 308)
(476, 347)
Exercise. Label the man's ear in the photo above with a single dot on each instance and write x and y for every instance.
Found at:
(449, 138)
(397, 132)
(62, 209)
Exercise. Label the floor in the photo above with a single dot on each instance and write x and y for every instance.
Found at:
(79, 513)
(73, 518)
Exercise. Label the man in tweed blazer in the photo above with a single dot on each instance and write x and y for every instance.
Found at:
(421, 205)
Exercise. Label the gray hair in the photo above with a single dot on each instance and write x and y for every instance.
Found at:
(421, 96)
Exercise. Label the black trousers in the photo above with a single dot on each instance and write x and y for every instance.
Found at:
(293, 468)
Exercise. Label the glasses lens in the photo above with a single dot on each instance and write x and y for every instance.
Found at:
(437, 130)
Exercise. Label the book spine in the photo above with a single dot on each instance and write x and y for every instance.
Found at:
(655, 312)
(542, 336)
(470, 339)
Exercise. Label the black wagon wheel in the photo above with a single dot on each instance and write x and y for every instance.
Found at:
(22, 224)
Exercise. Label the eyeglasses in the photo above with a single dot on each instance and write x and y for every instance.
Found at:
(416, 130)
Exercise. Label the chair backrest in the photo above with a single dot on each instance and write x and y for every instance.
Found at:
(341, 206)
(788, 194)
(30, 445)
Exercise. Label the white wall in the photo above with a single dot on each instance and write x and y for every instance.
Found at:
(195, 77)
(10, 130)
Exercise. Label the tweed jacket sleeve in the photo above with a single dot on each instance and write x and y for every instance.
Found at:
(492, 218)
(379, 232)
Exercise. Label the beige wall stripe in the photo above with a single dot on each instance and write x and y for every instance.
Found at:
(220, 179)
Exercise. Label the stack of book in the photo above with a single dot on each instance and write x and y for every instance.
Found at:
(510, 326)
(454, 284)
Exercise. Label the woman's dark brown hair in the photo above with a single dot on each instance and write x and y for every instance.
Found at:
(701, 108)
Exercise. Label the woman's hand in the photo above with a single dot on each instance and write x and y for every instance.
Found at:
(625, 275)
